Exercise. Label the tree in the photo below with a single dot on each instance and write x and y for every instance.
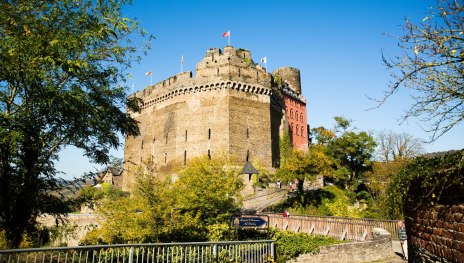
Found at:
(203, 197)
(62, 69)
(322, 135)
(432, 66)
(396, 146)
(307, 165)
(353, 151)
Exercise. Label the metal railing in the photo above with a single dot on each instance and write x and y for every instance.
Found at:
(233, 251)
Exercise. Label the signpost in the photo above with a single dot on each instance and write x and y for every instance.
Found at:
(255, 222)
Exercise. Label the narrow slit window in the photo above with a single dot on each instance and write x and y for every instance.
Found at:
(209, 134)
(141, 146)
(185, 157)
(209, 154)
(165, 158)
(166, 139)
(248, 133)
(248, 156)
(185, 135)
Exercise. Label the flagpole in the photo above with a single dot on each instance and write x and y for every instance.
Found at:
(182, 64)
(229, 38)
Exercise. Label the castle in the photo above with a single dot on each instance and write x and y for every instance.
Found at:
(232, 107)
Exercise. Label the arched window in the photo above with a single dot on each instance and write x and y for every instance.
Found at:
(301, 117)
(297, 129)
(292, 130)
(302, 132)
(291, 113)
(296, 115)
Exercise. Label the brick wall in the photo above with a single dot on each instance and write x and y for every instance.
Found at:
(436, 233)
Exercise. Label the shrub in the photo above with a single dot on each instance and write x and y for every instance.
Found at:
(290, 244)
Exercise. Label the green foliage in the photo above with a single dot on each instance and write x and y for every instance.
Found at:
(92, 195)
(218, 231)
(322, 135)
(327, 201)
(424, 181)
(285, 147)
(195, 207)
(61, 83)
(289, 245)
(306, 165)
(354, 151)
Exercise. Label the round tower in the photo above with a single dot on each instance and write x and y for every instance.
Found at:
(291, 76)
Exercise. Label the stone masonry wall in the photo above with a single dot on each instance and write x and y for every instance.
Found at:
(225, 110)
(436, 234)
(75, 228)
(369, 251)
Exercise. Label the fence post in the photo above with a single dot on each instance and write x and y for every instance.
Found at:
(215, 252)
(131, 255)
(272, 250)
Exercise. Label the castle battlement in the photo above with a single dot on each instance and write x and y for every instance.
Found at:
(216, 68)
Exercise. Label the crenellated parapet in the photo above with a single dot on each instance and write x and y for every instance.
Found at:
(227, 85)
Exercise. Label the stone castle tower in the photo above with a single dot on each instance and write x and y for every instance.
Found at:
(232, 107)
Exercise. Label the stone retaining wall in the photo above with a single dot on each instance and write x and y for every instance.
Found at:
(76, 227)
(377, 249)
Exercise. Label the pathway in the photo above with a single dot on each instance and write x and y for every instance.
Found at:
(263, 199)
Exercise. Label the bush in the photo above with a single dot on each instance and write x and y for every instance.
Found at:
(290, 244)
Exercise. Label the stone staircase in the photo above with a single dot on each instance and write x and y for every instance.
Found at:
(263, 198)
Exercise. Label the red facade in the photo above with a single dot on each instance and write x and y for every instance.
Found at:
(297, 122)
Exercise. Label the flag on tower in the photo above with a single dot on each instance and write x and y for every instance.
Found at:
(227, 34)
(150, 74)
(264, 60)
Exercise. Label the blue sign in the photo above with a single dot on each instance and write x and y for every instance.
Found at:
(248, 221)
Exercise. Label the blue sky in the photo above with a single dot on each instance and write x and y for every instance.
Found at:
(337, 45)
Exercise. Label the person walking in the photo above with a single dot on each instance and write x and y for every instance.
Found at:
(403, 239)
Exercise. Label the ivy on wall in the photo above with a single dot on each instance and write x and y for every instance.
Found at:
(427, 181)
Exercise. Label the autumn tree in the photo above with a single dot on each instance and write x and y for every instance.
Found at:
(393, 146)
(323, 135)
(432, 67)
(305, 166)
(62, 73)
